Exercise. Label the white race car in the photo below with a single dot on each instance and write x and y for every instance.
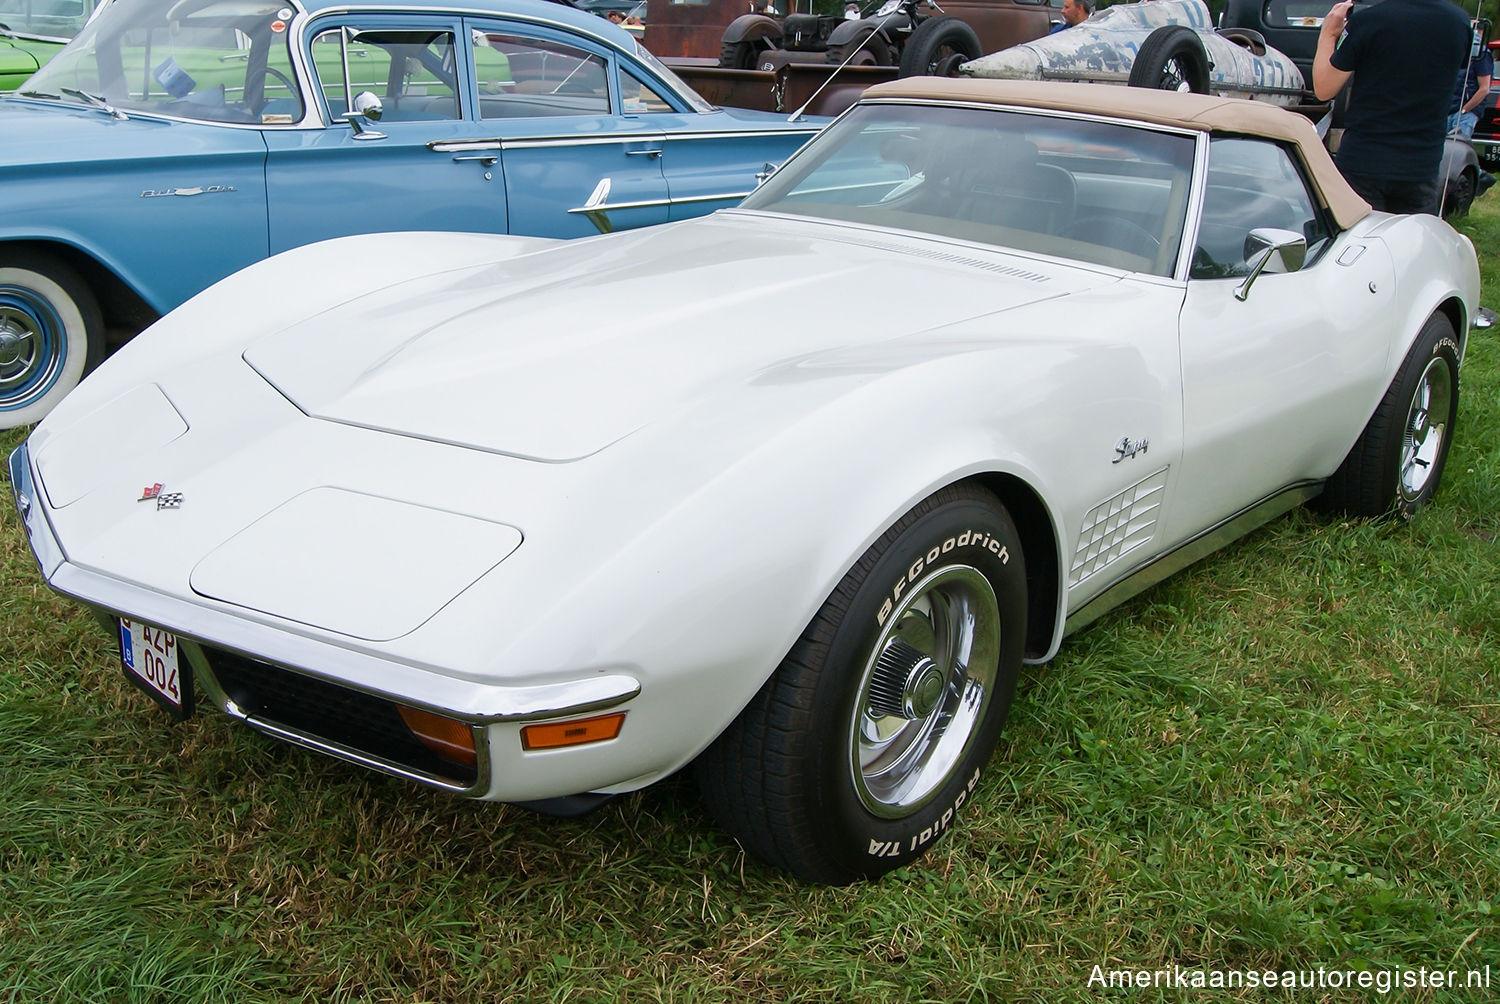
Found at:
(1167, 44)
(543, 522)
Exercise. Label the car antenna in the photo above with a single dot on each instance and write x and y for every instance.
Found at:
(797, 115)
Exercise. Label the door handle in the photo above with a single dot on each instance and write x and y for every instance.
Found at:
(485, 159)
(644, 153)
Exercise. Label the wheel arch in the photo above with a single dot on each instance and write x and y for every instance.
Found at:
(122, 307)
(1038, 532)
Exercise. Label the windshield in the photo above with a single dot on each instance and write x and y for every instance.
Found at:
(1097, 192)
(211, 60)
(46, 19)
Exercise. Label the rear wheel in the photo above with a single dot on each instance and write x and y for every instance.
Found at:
(1460, 195)
(938, 47)
(51, 334)
(1171, 59)
(1395, 466)
(739, 55)
(870, 737)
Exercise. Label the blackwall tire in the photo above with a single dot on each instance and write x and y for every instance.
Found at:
(1397, 463)
(739, 55)
(1460, 198)
(935, 43)
(869, 739)
(51, 335)
(1171, 59)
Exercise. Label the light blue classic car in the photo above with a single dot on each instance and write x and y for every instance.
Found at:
(176, 141)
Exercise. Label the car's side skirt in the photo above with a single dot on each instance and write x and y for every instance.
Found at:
(1203, 544)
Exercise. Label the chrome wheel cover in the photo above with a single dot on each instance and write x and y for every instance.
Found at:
(1426, 430)
(33, 347)
(924, 691)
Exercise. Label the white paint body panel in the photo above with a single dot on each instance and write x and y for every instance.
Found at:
(692, 464)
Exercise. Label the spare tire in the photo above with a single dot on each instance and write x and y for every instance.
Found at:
(1171, 59)
(938, 46)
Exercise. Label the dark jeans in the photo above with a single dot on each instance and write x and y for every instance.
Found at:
(1396, 196)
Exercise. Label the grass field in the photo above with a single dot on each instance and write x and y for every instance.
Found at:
(1283, 759)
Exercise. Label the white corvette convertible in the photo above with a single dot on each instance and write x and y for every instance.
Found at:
(543, 522)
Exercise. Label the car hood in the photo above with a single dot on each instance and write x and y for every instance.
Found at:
(555, 355)
(41, 134)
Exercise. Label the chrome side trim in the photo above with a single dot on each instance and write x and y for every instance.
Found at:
(610, 206)
(1190, 550)
(552, 142)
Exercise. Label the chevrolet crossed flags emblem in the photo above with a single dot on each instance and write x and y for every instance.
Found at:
(168, 500)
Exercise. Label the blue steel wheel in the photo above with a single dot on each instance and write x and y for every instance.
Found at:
(51, 334)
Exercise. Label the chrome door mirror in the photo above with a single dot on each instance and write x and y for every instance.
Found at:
(1270, 250)
(368, 105)
(367, 109)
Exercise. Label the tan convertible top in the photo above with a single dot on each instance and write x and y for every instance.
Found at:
(1188, 111)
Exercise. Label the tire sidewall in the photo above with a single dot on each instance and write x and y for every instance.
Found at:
(855, 841)
(76, 338)
(1437, 341)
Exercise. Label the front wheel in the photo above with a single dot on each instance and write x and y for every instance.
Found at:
(51, 334)
(1171, 59)
(1397, 462)
(870, 737)
(938, 47)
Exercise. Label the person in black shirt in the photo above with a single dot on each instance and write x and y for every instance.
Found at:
(1403, 56)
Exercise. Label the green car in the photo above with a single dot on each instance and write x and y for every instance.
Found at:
(33, 31)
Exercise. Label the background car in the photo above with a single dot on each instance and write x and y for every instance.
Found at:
(1169, 44)
(544, 522)
(33, 31)
(171, 145)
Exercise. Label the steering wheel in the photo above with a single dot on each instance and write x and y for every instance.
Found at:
(286, 82)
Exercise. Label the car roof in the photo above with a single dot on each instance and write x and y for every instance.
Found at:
(1198, 112)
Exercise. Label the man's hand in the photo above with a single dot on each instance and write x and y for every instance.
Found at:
(1338, 17)
(1328, 81)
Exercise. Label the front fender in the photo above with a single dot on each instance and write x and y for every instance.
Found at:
(849, 32)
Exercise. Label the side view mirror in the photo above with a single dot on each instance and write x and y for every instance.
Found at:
(368, 105)
(367, 109)
(1271, 250)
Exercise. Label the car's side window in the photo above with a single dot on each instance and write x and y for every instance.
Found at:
(1252, 183)
(411, 71)
(638, 97)
(525, 77)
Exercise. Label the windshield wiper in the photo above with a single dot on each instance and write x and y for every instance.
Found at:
(45, 95)
(95, 101)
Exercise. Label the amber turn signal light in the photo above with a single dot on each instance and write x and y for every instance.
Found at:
(551, 735)
(446, 737)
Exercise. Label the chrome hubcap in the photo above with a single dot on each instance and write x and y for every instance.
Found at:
(1426, 428)
(925, 690)
(32, 347)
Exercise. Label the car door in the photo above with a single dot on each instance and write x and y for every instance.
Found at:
(382, 174)
(711, 160)
(1275, 386)
(548, 105)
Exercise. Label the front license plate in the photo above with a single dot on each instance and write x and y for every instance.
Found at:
(151, 663)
